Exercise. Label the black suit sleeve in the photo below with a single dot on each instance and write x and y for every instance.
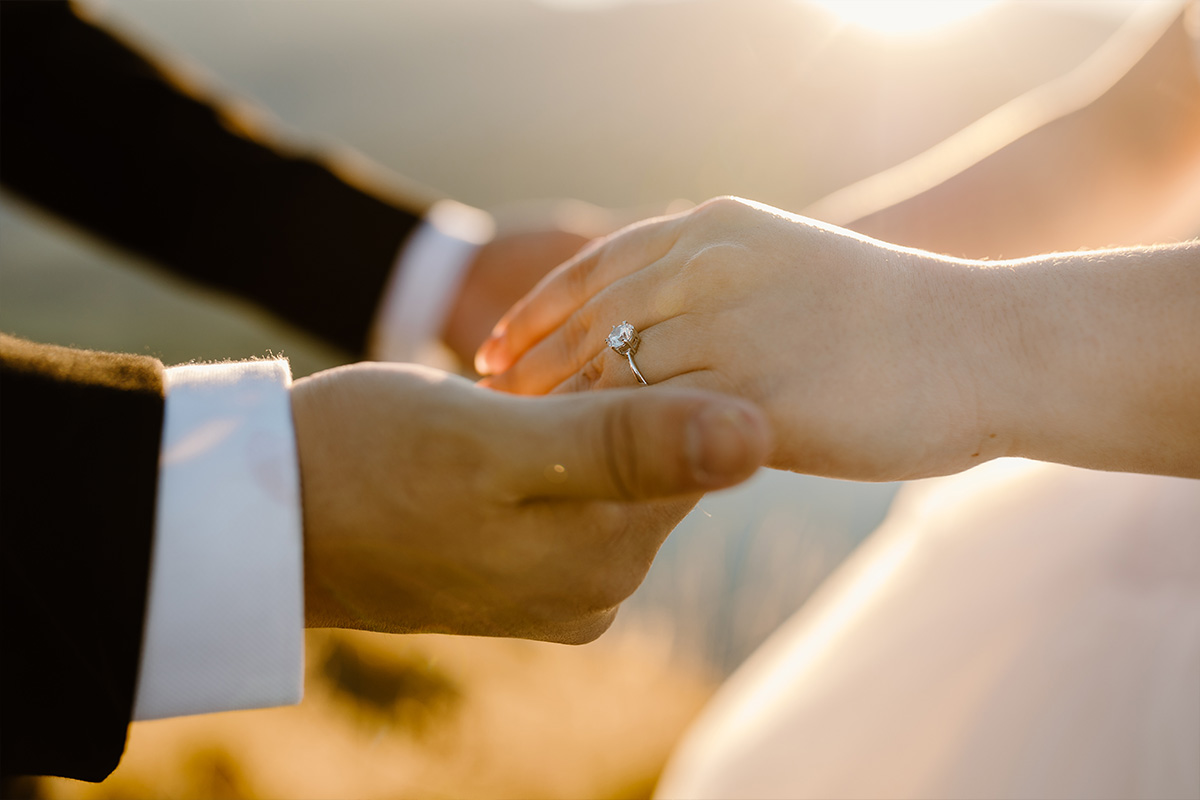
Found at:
(98, 133)
(79, 441)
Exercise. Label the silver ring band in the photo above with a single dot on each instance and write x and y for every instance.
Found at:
(624, 341)
(636, 371)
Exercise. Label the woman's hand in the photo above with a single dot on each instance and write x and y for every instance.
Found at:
(866, 357)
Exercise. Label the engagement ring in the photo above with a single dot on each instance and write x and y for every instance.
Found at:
(624, 340)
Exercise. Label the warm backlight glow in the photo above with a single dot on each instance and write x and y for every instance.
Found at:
(902, 16)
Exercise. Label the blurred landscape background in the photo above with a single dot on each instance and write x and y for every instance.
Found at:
(500, 103)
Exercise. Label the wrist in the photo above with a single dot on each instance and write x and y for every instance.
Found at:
(470, 316)
(1099, 372)
(321, 609)
(1059, 385)
(1024, 386)
(427, 278)
(979, 339)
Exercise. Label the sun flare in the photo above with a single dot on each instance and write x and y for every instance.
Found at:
(902, 16)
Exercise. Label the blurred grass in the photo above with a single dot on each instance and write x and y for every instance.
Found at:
(499, 719)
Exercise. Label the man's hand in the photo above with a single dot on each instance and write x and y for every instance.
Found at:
(503, 271)
(432, 505)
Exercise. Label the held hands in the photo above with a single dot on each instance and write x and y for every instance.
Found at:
(431, 505)
(533, 240)
(861, 354)
(504, 270)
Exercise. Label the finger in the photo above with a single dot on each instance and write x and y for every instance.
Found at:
(571, 285)
(644, 299)
(634, 445)
(560, 354)
(671, 348)
(542, 308)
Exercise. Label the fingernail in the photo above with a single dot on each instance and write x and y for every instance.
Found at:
(720, 440)
(485, 356)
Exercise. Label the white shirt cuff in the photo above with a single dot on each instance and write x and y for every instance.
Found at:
(425, 280)
(225, 607)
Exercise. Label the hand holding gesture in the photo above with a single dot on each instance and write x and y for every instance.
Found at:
(431, 505)
(814, 324)
(877, 362)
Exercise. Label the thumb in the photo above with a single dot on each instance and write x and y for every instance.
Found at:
(638, 444)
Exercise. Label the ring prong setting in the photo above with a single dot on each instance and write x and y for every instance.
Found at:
(624, 341)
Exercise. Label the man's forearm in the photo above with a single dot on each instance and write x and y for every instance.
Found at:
(103, 135)
(79, 443)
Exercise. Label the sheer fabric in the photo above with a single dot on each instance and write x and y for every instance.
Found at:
(1019, 630)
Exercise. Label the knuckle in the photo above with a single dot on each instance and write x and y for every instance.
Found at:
(707, 278)
(574, 335)
(592, 372)
(571, 385)
(706, 259)
(579, 278)
(721, 207)
(619, 449)
(588, 377)
(722, 259)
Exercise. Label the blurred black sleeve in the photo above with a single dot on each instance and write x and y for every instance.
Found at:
(79, 441)
(96, 132)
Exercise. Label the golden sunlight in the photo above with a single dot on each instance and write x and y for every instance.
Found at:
(902, 16)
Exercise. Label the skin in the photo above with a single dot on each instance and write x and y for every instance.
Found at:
(532, 240)
(877, 362)
(502, 272)
(431, 505)
(1117, 167)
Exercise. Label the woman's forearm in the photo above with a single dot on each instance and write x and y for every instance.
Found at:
(1096, 360)
(876, 362)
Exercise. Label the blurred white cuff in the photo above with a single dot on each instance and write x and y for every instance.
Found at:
(225, 608)
(429, 271)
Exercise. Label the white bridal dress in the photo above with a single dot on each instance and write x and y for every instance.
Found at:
(1019, 630)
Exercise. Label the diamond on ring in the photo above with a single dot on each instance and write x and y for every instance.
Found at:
(624, 340)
